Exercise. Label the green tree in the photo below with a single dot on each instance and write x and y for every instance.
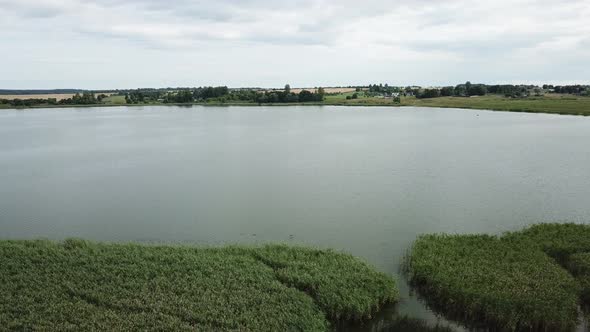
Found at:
(320, 94)
(305, 96)
(447, 91)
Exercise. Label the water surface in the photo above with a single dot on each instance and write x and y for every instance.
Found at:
(364, 180)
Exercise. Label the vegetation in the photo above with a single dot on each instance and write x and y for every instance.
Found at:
(320, 274)
(86, 98)
(114, 100)
(572, 99)
(484, 279)
(79, 285)
(512, 282)
(579, 265)
(286, 96)
(557, 240)
(556, 104)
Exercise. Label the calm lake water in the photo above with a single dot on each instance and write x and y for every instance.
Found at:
(364, 180)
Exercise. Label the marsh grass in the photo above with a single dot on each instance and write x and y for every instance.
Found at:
(332, 279)
(481, 279)
(512, 282)
(579, 265)
(556, 104)
(557, 240)
(79, 285)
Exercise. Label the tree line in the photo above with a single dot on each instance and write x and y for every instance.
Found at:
(508, 90)
(223, 94)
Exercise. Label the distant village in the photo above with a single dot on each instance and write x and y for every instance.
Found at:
(469, 89)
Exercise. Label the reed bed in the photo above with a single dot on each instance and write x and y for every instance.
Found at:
(512, 282)
(80, 285)
(579, 265)
(332, 279)
(557, 240)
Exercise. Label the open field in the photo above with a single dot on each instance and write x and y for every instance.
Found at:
(558, 104)
(57, 96)
(515, 281)
(79, 285)
(340, 99)
(114, 100)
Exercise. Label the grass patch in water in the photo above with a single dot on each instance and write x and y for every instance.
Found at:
(79, 285)
(509, 282)
(557, 240)
(579, 265)
(332, 280)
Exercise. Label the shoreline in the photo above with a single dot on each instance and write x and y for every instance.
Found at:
(583, 113)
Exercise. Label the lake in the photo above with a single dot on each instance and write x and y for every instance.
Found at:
(366, 180)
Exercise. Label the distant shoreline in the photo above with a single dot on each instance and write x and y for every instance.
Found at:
(579, 106)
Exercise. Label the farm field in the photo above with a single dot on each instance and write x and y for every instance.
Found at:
(114, 100)
(58, 96)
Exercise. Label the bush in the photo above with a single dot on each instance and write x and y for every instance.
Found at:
(428, 93)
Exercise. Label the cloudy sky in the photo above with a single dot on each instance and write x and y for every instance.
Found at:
(153, 43)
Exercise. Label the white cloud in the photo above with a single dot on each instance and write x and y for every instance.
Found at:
(107, 43)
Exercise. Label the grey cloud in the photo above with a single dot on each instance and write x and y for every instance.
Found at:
(401, 39)
(491, 47)
(27, 11)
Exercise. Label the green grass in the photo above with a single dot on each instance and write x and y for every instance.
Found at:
(340, 99)
(557, 104)
(568, 244)
(320, 274)
(114, 100)
(79, 285)
(579, 265)
(481, 279)
(557, 240)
